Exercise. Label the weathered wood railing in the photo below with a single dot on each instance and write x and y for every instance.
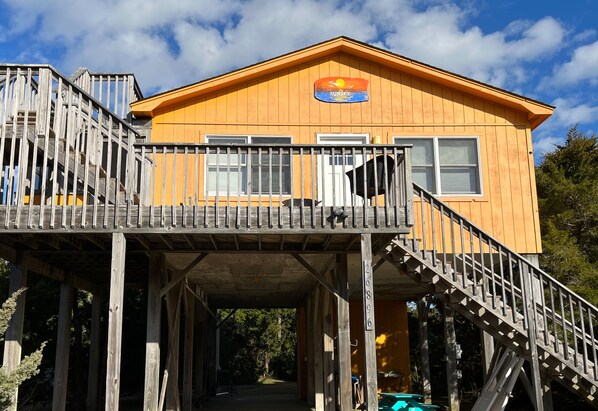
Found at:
(69, 162)
(116, 91)
(62, 151)
(558, 320)
(277, 185)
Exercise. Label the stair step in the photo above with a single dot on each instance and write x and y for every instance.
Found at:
(484, 305)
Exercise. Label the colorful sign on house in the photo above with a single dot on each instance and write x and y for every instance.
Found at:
(341, 90)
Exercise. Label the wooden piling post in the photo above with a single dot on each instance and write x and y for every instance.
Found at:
(152, 341)
(93, 379)
(343, 333)
(369, 325)
(328, 352)
(318, 350)
(115, 321)
(188, 352)
(309, 315)
(63, 342)
(450, 347)
(423, 308)
(200, 339)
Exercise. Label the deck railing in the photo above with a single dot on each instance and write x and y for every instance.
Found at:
(553, 316)
(67, 161)
(116, 91)
(279, 185)
(60, 147)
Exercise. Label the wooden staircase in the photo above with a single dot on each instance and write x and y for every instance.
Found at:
(523, 308)
(57, 141)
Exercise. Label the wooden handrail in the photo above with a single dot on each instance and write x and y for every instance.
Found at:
(556, 317)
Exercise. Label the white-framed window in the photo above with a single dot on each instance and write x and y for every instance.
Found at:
(446, 165)
(235, 173)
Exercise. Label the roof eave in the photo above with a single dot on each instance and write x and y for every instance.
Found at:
(537, 110)
(147, 106)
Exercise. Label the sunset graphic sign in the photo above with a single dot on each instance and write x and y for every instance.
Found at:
(341, 90)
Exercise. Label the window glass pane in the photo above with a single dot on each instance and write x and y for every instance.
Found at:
(218, 179)
(457, 151)
(222, 158)
(271, 183)
(231, 171)
(422, 152)
(459, 180)
(424, 177)
(227, 140)
(339, 160)
(271, 140)
(272, 177)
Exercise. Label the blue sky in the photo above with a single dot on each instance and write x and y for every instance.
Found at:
(547, 50)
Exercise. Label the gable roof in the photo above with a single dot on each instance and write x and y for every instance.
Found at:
(537, 111)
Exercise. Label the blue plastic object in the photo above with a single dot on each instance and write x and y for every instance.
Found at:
(403, 402)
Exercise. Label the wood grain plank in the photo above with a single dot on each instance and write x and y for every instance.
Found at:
(115, 318)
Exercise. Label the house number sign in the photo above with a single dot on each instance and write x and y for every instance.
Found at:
(368, 297)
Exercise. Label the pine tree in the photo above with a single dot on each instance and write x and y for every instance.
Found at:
(567, 181)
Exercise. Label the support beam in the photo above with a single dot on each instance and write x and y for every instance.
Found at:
(530, 315)
(301, 352)
(63, 343)
(343, 333)
(152, 340)
(547, 392)
(328, 352)
(201, 298)
(309, 316)
(369, 325)
(173, 308)
(537, 291)
(93, 376)
(115, 320)
(487, 353)
(450, 348)
(14, 333)
(179, 275)
(506, 367)
(319, 276)
(200, 339)
(188, 352)
(423, 309)
(318, 350)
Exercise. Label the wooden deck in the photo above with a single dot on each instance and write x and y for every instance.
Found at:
(209, 219)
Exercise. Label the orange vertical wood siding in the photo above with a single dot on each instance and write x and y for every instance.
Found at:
(399, 105)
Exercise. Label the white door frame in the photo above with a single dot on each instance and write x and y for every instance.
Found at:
(332, 139)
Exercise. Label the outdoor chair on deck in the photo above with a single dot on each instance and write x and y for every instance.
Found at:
(376, 182)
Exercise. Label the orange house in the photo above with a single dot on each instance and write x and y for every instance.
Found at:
(472, 146)
(341, 179)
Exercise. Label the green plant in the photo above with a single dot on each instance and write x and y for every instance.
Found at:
(29, 366)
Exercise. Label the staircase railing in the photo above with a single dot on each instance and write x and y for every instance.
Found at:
(562, 322)
(60, 147)
(116, 91)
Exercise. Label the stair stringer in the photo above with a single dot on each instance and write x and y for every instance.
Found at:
(511, 334)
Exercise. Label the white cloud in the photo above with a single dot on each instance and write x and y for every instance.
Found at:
(494, 57)
(582, 66)
(545, 145)
(173, 43)
(568, 112)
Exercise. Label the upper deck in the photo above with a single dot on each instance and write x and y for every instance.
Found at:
(71, 165)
